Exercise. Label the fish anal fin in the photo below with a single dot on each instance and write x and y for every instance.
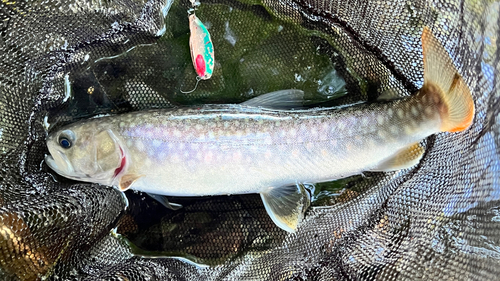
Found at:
(127, 180)
(286, 205)
(441, 79)
(405, 158)
(284, 100)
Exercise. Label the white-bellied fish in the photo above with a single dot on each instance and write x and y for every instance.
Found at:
(255, 148)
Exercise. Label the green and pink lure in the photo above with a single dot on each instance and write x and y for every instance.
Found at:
(202, 49)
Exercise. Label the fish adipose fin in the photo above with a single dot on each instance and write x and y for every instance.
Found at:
(164, 201)
(127, 180)
(286, 205)
(441, 78)
(284, 100)
(389, 95)
(405, 158)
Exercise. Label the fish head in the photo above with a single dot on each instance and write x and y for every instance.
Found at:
(86, 151)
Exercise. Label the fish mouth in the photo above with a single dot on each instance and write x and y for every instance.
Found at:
(66, 170)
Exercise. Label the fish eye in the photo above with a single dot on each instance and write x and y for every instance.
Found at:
(66, 139)
(64, 142)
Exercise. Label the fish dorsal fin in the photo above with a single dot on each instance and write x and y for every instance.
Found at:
(286, 205)
(127, 180)
(164, 201)
(284, 100)
(404, 158)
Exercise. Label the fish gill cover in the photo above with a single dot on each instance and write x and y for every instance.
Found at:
(62, 61)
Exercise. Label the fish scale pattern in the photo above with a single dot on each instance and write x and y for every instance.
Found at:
(61, 61)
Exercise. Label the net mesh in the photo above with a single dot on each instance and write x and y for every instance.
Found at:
(61, 61)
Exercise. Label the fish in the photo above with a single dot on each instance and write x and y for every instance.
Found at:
(268, 145)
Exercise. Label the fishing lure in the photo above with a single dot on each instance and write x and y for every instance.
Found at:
(202, 49)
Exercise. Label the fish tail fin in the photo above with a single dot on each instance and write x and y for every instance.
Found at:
(441, 78)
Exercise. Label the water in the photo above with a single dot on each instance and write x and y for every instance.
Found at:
(256, 56)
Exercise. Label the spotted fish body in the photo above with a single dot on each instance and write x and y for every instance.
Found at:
(237, 149)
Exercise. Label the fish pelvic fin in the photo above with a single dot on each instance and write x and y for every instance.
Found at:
(164, 201)
(286, 205)
(404, 158)
(441, 79)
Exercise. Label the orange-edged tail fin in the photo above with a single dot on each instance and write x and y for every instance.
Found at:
(441, 75)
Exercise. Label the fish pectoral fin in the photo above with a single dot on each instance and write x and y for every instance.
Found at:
(405, 158)
(127, 180)
(283, 100)
(286, 205)
(164, 201)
